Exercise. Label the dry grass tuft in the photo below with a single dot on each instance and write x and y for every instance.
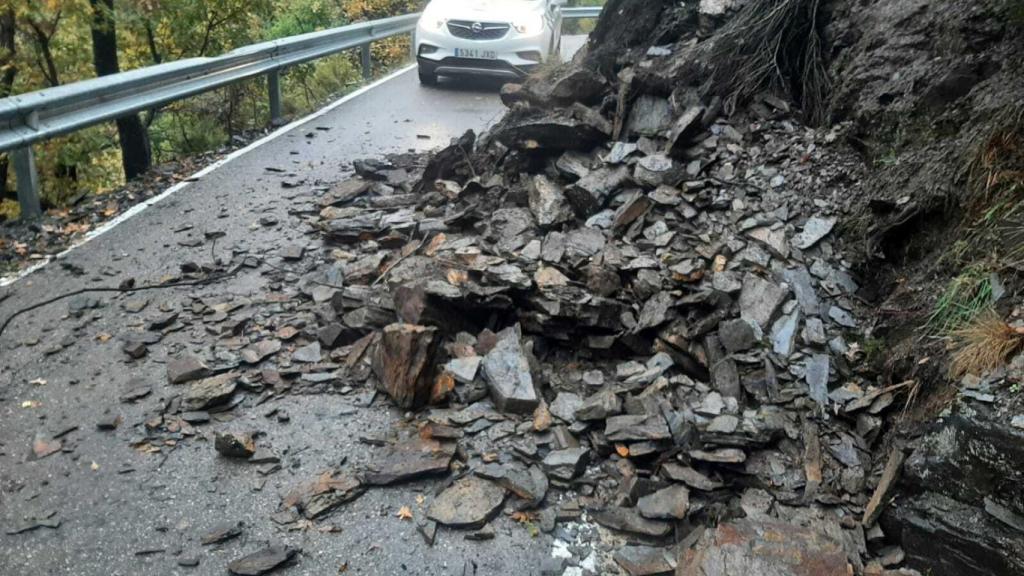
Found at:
(998, 165)
(984, 345)
(995, 182)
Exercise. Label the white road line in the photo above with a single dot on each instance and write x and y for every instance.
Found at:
(138, 208)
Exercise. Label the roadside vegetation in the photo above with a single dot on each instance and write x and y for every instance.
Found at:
(48, 43)
(993, 245)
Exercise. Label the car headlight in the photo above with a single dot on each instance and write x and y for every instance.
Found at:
(529, 25)
(432, 19)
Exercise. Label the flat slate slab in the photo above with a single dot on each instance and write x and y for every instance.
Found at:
(410, 460)
(468, 503)
(262, 562)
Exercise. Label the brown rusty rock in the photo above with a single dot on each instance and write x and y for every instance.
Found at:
(404, 363)
(765, 549)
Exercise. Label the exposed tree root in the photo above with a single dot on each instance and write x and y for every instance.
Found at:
(772, 45)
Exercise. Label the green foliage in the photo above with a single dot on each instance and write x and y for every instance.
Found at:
(53, 46)
(581, 26)
(964, 298)
(185, 134)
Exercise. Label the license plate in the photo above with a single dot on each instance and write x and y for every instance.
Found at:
(475, 53)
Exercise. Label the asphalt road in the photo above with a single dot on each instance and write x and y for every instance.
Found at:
(125, 513)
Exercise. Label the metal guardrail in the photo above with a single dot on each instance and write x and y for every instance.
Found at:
(26, 119)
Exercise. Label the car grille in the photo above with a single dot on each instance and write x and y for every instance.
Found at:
(469, 30)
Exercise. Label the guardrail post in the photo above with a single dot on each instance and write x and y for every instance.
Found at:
(28, 182)
(367, 61)
(412, 46)
(274, 89)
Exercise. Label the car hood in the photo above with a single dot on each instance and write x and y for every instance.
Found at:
(484, 10)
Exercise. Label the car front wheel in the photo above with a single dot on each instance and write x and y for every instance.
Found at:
(427, 76)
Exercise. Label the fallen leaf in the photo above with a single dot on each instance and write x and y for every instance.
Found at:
(75, 228)
(31, 404)
(103, 337)
(720, 262)
(542, 418)
(435, 244)
(523, 517)
(421, 499)
(38, 382)
(457, 277)
(622, 450)
(405, 513)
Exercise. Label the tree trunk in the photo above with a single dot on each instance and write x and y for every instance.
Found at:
(8, 48)
(136, 153)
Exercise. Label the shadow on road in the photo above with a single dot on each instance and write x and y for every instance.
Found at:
(470, 84)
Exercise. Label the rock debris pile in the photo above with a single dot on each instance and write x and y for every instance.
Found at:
(630, 314)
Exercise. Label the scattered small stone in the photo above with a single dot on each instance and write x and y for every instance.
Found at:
(670, 503)
(222, 533)
(309, 354)
(263, 562)
(234, 445)
(629, 520)
(185, 369)
(109, 422)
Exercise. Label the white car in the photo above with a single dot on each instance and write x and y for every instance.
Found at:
(496, 38)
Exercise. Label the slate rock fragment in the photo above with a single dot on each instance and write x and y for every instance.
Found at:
(410, 460)
(671, 503)
(646, 560)
(507, 372)
(814, 231)
(630, 520)
(234, 445)
(591, 193)
(737, 335)
(261, 350)
(816, 373)
(547, 202)
(599, 406)
(468, 503)
(567, 464)
(210, 392)
(308, 354)
(404, 363)
(529, 484)
(636, 428)
(760, 300)
(326, 492)
(692, 478)
(186, 368)
(263, 562)
(565, 406)
(764, 548)
(222, 533)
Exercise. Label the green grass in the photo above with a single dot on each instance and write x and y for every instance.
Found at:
(964, 298)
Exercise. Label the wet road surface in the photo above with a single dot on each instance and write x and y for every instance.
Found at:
(123, 512)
